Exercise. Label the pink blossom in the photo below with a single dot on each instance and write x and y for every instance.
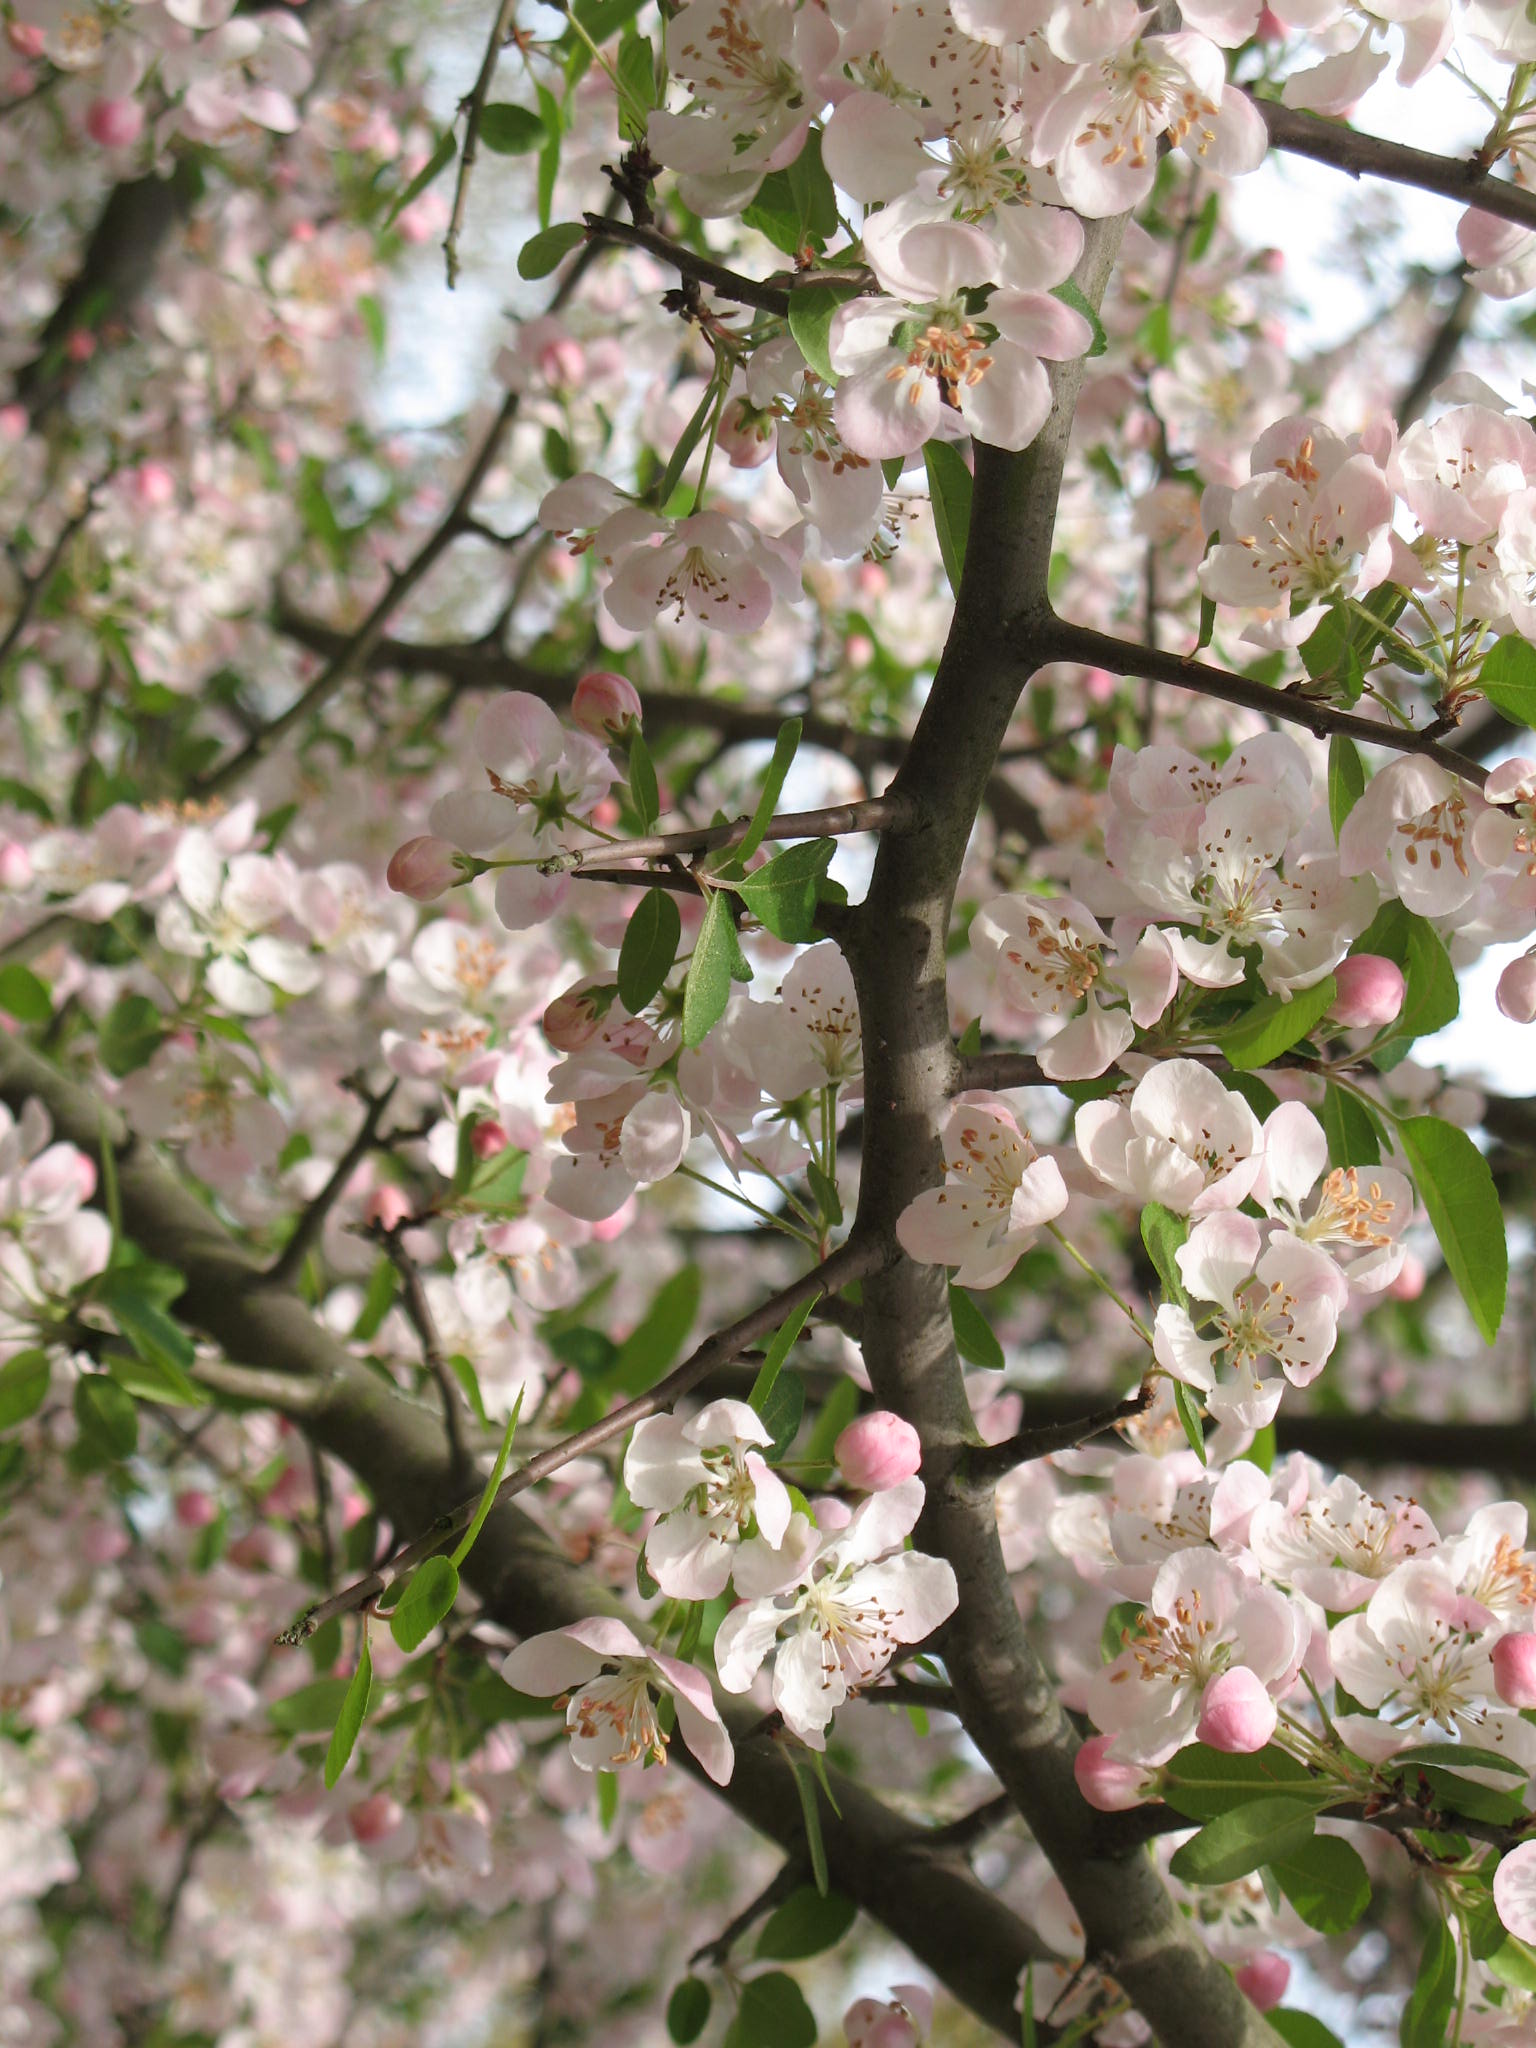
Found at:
(1237, 1715)
(115, 124)
(1263, 1979)
(998, 1194)
(1370, 991)
(423, 868)
(1107, 1783)
(605, 705)
(1516, 992)
(878, 1450)
(1514, 1669)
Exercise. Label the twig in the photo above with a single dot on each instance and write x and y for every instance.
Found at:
(724, 283)
(1001, 1070)
(419, 1310)
(789, 1876)
(312, 1222)
(1059, 640)
(1440, 354)
(475, 103)
(895, 1690)
(990, 1462)
(33, 586)
(1331, 142)
(853, 1261)
(968, 1830)
(874, 814)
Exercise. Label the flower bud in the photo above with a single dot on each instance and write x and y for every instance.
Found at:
(1237, 1715)
(1516, 993)
(80, 345)
(27, 38)
(1263, 1979)
(488, 1138)
(1105, 1782)
(195, 1509)
(571, 1021)
(1409, 1283)
(746, 434)
(1370, 991)
(1514, 1669)
(115, 124)
(605, 704)
(563, 364)
(388, 1207)
(423, 868)
(153, 486)
(877, 1451)
(374, 1818)
(15, 864)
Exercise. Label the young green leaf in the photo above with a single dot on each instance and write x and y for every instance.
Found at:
(1164, 1234)
(1508, 678)
(782, 894)
(1347, 1125)
(508, 130)
(1326, 1882)
(548, 249)
(650, 946)
(810, 1813)
(807, 1924)
(773, 782)
(642, 782)
(428, 1597)
(492, 1486)
(772, 2014)
(1426, 2017)
(974, 1336)
(812, 309)
(1188, 1409)
(949, 489)
(23, 995)
(1346, 779)
(780, 1348)
(1456, 1187)
(349, 1721)
(688, 2011)
(1239, 1841)
(106, 1416)
(24, 1383)
(447, 149)
(657, 1340)
(1274, 1025)
(782, 1408)
(717, 961)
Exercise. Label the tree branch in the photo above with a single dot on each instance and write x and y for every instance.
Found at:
(1038, 1440)
(724, 283)
(971, 1941)
(896, 945)
(875, 814)
(1063, 641)
(1331, 142)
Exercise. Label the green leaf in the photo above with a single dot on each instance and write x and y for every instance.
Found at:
(1273, 1025)
(975, 1339)
(1188, 1410)
(642, 782)
(607, 1799)
(509, 130)
(497, 1183)
(371, 313)
(1456, 1187)
(349, 1721)
(1301, 2029)
(949, 488)
(1513, 1962)
(805, 1925)
(828, 1201)
(810, 1813)
(1119, 1623)
(24, 1383)
(1240, 1840)
(798, 205)
(383, 1282)
(636, 74)
(783, 1343)
(782, 1408)
(447, 149)
(688, 2010)
(1351, 1135)
(548, 249)
(1071, 294)
(428, 1597)
(1329, 655)
(1326, 1882)
(106, 1416)
(717, 961)
(1205, 1782)
(812, 308)
(657, 1340)
(1164, 1234)
(492, 1486)
(1346, 779)
(1454, 1756)
(650, 946)
(1155, 333)
(837, 1411)
(1508, 678)
(783, 893)
(129, 1036)
(1427, 2015)
(311, 1710)
(784, 747)
(23, 995)
(772, 2014)
(549, 155)
(677, 462)
(155, 1336)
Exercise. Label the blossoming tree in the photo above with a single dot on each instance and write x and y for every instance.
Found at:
(630, 1412)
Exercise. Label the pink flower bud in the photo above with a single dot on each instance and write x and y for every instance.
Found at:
(27, 38)
(1105, 1782)
(80, 345)
(878, 1450)
(1514, 1669)
(13, 422)
(605, 704)
(104, 1543)
(488, 1138)
(563, 364)
(1263, 1979)
(1516, 993)
(746, 434)
(115, 124)
(571, 1020)
(1237, 1715)
(1269, 28)
(1370, 991)
(196, 1509)
(388, 1207)
(15, 865)
(1409, 1284)
(153, 486)
(374, 1818)
(423, 868)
